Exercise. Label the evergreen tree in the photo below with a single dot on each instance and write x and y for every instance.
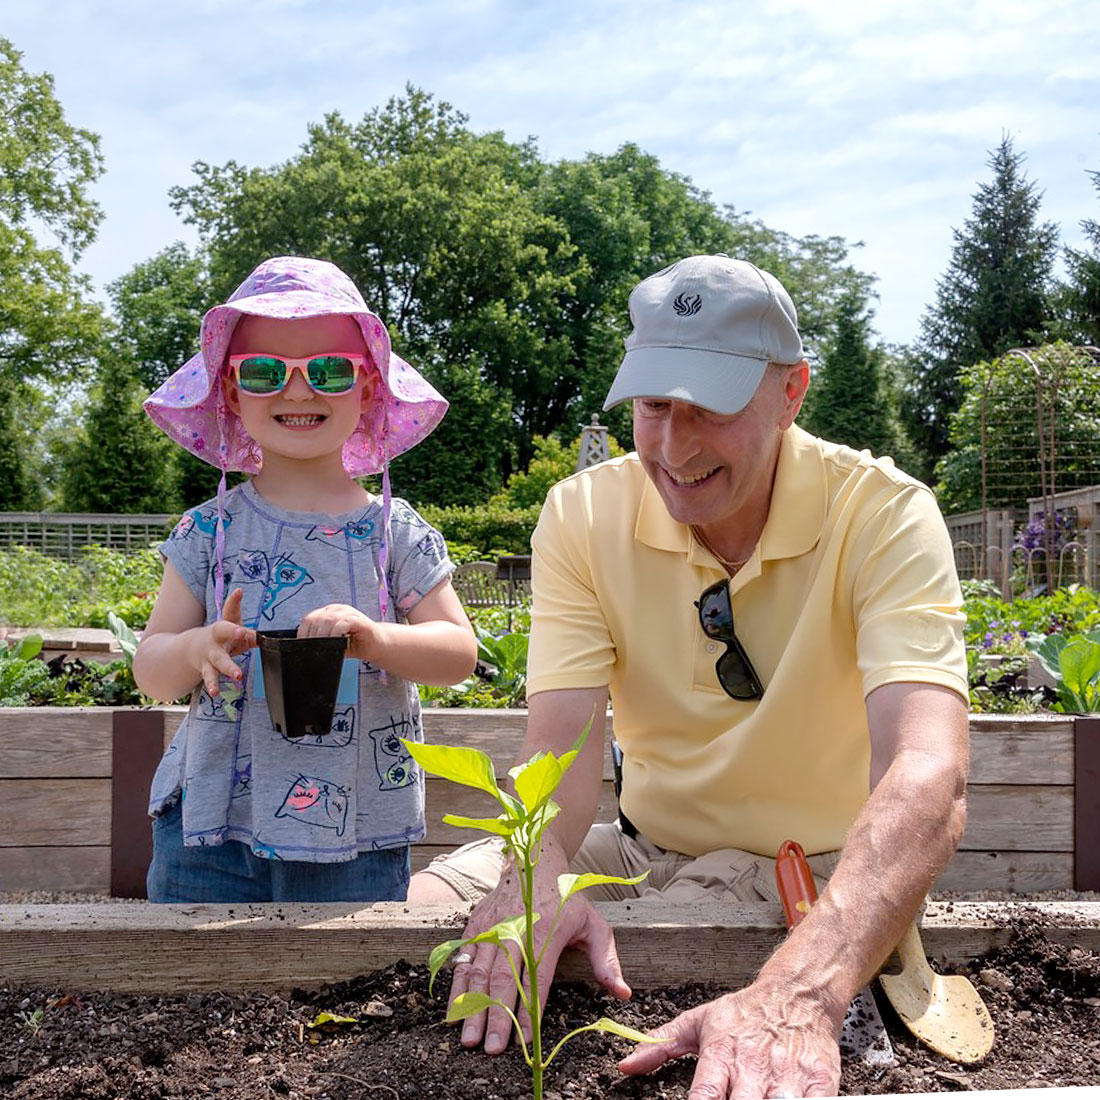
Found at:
(14, 487)
(853, 399)
(994, 296)
(1083, 293)
(122, 462)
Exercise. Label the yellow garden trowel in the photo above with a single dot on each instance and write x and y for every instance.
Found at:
(862, 1034)
(945, 1013)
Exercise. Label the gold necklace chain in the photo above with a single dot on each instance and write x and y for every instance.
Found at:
(732, 566)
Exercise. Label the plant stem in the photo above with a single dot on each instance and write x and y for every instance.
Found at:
(534, 1007)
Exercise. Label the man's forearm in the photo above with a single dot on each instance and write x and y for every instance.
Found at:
(901, 841)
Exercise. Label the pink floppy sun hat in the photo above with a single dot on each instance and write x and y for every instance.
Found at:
(190, 406)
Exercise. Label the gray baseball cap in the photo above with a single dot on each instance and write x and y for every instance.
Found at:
(705, 329)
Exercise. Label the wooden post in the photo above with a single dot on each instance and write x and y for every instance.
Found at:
(137, 744)
(1086, 803)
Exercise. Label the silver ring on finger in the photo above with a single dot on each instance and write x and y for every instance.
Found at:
(463, 959)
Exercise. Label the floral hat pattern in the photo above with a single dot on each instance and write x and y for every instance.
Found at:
(191, 408)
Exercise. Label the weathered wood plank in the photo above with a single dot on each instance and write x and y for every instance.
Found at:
(67, 812)
(151, 948)
(1010, 818)
(83, 870)
(1040, 754)
(60, 742)
(1018, 872)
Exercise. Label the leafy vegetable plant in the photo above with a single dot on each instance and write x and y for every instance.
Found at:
(523, 819)
(1074, 663)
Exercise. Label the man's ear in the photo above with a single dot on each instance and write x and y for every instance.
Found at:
(796, 380)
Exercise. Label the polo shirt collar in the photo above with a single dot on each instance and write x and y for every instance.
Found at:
(795, 517)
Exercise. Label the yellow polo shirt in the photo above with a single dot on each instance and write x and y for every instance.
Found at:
(852, 585)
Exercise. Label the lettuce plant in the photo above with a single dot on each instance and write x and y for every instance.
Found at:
(1074, 664)
(521, 824)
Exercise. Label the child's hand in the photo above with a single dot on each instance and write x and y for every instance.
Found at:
(336, 619)
(221, 641)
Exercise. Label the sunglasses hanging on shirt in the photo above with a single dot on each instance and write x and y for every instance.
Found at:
(735, 672)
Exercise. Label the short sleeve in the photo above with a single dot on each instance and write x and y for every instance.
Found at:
(418, 558)
(906, 598)
(571, 642)
(188, 548)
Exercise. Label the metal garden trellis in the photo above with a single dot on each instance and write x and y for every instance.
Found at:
(1048, 458)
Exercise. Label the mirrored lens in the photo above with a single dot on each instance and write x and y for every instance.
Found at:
(715, 613)
(262, 374)
(331, 373)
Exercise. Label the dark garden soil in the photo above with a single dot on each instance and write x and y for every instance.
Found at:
(55, 1044)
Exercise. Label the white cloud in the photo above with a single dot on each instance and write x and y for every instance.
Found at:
(868, 121)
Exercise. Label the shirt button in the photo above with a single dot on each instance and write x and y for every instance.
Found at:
(712, 647)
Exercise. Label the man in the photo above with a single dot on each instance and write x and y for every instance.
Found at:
(834, 716)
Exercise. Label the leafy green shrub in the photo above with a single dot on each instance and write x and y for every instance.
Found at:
(1074, 664)
(551, 462)
(21, 674)
(486, 527)
(39, 590)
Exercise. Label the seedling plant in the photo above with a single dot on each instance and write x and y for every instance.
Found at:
(521, 824)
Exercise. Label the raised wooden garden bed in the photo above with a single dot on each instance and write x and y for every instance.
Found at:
(74, 785)
(150, 948)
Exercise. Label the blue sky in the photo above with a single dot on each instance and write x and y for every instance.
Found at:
(867, 119)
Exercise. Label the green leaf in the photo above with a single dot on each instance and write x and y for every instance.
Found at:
(571, 884)
(471, 1003)
(469, 767)
(498, 826)
(537, 780)
(512, 930)
(127, 639)
(635, 1036)
(1079, 664)
(439, 956)
(1048, 649)
(28, 647)
(329, 1019)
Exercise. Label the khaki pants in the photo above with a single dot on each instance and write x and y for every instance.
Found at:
(730, 874)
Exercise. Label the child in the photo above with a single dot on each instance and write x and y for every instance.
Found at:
(296, 384)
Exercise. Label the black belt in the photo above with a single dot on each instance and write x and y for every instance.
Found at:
(628, 827)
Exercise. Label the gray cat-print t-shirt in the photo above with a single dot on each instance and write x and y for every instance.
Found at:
(319, 799)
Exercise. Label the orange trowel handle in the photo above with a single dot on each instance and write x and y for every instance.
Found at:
(795, 881)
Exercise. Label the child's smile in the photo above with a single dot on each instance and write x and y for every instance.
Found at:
(297, 422)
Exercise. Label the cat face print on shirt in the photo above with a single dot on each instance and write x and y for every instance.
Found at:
(318, 803)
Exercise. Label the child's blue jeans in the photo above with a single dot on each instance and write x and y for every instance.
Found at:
(231, 873)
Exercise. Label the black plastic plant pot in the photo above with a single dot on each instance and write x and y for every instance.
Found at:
(301, 678)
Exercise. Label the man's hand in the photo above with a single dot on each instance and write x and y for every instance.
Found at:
(490, 971)
(757, 1042)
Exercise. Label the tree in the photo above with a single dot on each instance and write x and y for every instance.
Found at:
(1083, 291)
(121, 462)
(437, 227)
(46, 167)
(852, 398)
(158, 307)
(505, 279)
(994, 296)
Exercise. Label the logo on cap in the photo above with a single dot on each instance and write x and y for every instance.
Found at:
(687, 305)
